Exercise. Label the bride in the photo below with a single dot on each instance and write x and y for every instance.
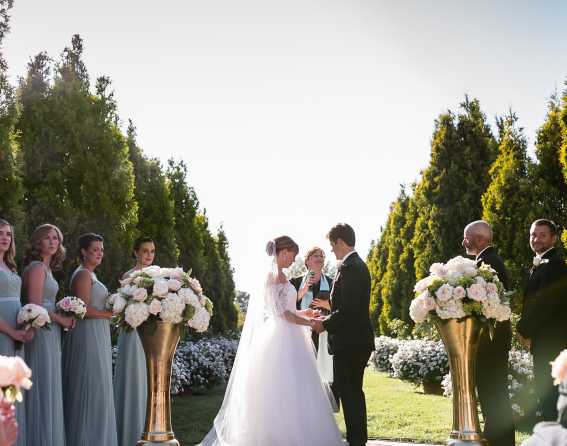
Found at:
(275, 395)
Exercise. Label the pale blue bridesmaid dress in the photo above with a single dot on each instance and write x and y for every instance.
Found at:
(10, 290)
(87, 377)
(44, 401)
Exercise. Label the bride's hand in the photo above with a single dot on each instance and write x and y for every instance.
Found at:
(309, 313)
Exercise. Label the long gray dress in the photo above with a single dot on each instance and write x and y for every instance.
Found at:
(44, 401)
(130, 388)
(10, 289)
(87, 377)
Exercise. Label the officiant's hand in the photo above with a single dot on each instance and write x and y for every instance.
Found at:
(322, 303)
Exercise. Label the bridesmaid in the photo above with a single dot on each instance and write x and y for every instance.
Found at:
(87, 356)
(44, 401)
(130, 382)
(10, 289)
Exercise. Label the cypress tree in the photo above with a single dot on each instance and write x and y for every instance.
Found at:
(449, 193)
(155, 205)
(507, 203)
(563, 151)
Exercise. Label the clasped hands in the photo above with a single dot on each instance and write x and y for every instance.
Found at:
(315, 320)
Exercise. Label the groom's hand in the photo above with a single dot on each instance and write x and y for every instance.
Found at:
(317, 325)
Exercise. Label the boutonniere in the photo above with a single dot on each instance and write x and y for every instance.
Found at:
(539, 261)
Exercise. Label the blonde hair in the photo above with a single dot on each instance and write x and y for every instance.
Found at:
(10, 255)
(34, 251)
(312, 251)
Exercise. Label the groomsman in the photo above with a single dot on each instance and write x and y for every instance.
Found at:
(492, 356)
(543, 324)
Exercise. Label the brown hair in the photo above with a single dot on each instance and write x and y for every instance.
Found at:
(344, 232)
(279, 244)
(34, 253)
(546, 222)
(312, 251)
(10, 255)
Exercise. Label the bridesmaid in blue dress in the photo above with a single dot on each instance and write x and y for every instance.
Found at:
(130, 382)
(87, 357)
(44, 401)
(11, 338)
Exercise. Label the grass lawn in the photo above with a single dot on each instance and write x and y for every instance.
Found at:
(396, 411)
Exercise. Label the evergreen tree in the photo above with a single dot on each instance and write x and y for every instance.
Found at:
(155, 213)
(227, 304)
(449, 193)
(547, 181)
(10, 181)
(508, 203)
(376, 261)
(187, 231)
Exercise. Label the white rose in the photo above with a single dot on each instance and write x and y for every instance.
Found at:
(128, 290)
(173, 284)
(492, 288)
(459, 292)
(470, 270)
(445, 292)
(136, 314)
(125, 282)
(160, 288)
(422, 285)
(477, 292)
(176, 273)
(119, 304)
(453, 277)
(139, 294)
(155, 307)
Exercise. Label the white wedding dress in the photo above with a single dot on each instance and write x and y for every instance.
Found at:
(275, 396)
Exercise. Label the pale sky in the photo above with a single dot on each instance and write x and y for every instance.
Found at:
(294, 115)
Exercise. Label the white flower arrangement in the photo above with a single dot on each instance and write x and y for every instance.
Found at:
(14, 376)
(33, 316)
(459, 289)
(72, 306)
(559, 368)
(166, 294)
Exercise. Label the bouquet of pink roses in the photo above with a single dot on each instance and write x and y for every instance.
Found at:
(33, 316)
(72, 306)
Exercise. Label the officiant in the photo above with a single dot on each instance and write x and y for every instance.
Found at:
(314, 288)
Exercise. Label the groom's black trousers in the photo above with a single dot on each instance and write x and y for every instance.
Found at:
(348, 371)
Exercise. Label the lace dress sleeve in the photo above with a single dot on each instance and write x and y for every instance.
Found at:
(278, 299)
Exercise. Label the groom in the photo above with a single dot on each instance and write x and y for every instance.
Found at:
(351, 339)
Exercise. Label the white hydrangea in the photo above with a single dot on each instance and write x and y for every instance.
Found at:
(160, 288)
(451, 310)
(152, 271)
(189, 297)
(200, 321)
(172, 308)
(438, 269)
(136, 313)
(422, 285)
(119, 304)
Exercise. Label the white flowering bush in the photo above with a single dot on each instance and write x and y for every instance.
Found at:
(386, 347)
(166, 294)
(459, 289)
(520, 383)
(200, 365)
(420, 361)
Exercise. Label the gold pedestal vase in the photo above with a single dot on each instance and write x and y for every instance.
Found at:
(461, 339)
(160, 340)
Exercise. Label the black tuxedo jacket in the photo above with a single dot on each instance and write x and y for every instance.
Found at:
(296, 282)
(491, 258)
(349, 322)
(544, 314)
(502, 339)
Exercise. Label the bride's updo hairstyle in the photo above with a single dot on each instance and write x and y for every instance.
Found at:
(279, 244)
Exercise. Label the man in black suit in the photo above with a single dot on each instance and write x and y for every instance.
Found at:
(543, 324)
(492, 356)
(351, 339)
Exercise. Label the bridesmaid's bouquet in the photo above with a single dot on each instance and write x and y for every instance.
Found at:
(165, 294)
(458, 289)
(14, 375)
(72, 306)
(33, 316)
